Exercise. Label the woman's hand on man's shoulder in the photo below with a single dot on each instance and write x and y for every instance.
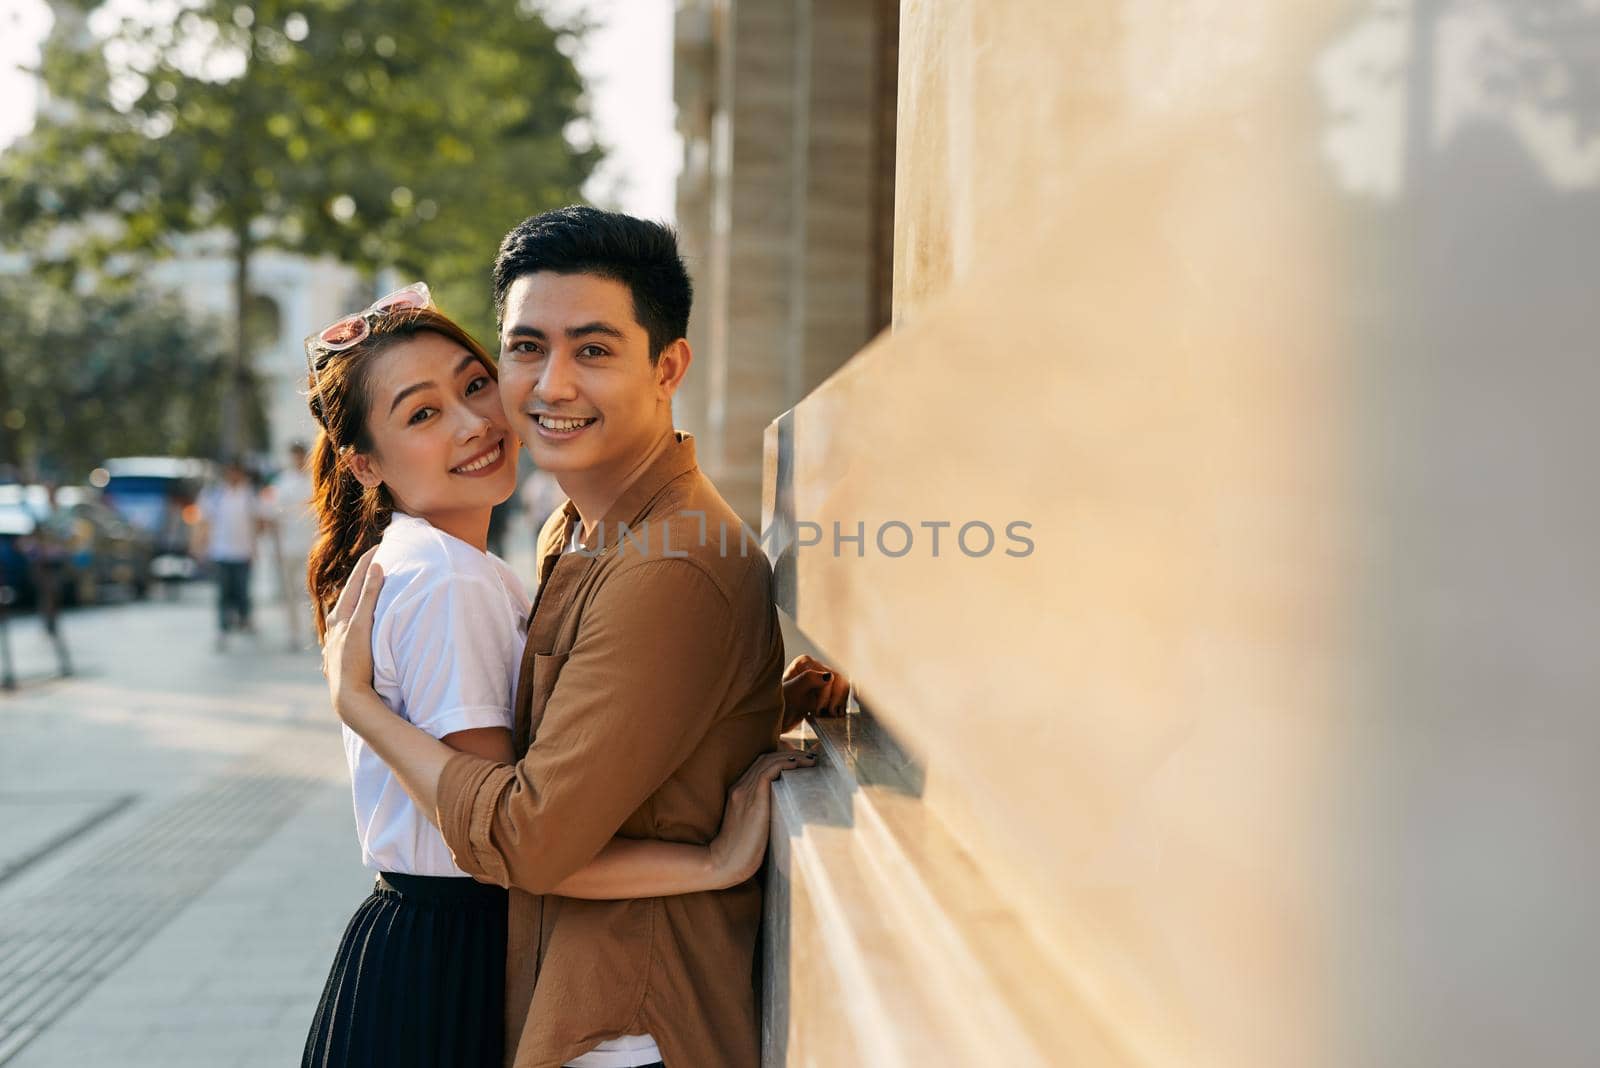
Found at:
(347, 645)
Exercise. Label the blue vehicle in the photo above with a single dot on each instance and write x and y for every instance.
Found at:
(16, 574)
(158, 495)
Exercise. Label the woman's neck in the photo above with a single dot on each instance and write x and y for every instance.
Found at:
(471, 525)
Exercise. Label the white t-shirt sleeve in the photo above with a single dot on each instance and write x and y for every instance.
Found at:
(448, 642)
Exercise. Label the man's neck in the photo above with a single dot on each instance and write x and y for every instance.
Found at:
(594, 492)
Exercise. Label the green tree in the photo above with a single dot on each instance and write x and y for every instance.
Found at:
(118, 372)
(388, 133)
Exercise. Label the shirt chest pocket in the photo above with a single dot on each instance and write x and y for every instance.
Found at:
(535, 684)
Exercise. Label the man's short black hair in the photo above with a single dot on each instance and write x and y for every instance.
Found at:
(640, 254)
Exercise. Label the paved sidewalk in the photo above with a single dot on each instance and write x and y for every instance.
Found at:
(177, 860)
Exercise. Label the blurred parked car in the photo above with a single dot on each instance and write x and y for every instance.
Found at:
(16, 576)
(157, 495)
(100, 553)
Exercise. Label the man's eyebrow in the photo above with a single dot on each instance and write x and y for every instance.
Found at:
(596, 327)
(600, 327)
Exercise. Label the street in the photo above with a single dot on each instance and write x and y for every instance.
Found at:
(177, 856)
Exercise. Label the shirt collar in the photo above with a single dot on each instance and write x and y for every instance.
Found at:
(676, 459)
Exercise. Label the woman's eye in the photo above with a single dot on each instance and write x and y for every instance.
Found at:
(419, 415)
(481, 382)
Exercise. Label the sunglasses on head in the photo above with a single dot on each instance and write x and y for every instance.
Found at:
(352, 330)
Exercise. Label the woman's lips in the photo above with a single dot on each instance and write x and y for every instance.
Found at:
(486, 462)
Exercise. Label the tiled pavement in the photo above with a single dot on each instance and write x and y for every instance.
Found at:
(177, 857)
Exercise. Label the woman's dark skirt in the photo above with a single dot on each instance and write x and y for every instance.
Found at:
(419, 980)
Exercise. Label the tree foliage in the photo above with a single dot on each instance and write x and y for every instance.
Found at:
(387, 133)
(1545, 58)
(110, 373)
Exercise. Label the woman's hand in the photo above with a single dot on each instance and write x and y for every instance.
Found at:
(811, 688)
(347, 645)
(741, 844)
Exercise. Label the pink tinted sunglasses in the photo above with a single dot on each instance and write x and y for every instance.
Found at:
(354, 329)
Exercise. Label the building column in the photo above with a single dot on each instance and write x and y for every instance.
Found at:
(780, 210)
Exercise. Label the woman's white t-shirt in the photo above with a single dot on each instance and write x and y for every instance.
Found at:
(446, 641)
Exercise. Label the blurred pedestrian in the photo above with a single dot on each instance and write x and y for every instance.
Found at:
(175, 541)
(51, 548)
(294, 529)
(233, 518)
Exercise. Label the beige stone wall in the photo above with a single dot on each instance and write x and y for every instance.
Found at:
(1272, 320)
(785, 222)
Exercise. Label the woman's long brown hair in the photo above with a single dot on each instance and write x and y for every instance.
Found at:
(350, 517)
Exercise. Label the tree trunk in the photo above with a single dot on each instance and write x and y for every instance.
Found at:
(235, 395)
(234, 434)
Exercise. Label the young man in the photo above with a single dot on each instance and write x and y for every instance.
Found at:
(233, 518)
(650, 679)
(294, 531)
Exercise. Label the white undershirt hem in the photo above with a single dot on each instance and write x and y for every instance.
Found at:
(627, 1051)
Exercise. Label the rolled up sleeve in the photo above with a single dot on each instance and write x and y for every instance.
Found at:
(652, 663)
(466, 782)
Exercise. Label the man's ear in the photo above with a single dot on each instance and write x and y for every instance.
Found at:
(672, 366)
(363, 468)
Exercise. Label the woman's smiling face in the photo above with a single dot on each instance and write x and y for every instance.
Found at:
(439, 437)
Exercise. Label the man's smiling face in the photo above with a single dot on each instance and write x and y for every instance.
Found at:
(576, 376)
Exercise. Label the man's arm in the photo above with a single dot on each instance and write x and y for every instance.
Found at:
(622, 868)
(629, 867)
(653, 663)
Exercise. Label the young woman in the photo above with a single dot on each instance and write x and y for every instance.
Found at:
(412, 455)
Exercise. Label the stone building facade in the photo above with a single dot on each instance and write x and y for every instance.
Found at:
(785, 209)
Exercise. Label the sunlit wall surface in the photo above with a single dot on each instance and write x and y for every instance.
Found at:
(1277, 324)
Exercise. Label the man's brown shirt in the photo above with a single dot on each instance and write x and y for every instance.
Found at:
(649, 682)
